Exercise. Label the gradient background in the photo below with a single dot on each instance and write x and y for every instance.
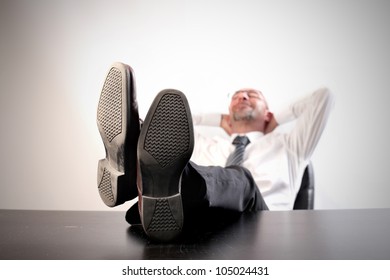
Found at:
(54, 56)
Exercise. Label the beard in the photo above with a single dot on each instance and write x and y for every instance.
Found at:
(244, 116)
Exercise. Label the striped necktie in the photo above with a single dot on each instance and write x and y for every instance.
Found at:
(237, 156)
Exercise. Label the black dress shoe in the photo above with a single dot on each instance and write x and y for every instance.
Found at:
(165, 146)
(119, 127)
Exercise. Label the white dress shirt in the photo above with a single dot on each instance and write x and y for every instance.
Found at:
(276, 160)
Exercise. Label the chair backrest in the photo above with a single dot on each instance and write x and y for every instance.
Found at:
(305, 196)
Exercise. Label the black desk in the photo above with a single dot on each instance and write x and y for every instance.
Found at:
(331, 234)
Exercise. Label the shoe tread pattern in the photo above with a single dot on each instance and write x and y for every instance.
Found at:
(163, 219)
(168, 122)
(105, 187)
(110, 105)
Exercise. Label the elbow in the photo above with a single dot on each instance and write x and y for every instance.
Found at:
(326, 96)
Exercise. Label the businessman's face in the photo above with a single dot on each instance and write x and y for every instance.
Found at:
(248, 104)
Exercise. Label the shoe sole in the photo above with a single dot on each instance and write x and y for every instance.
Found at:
(164, 148)
(113, 120)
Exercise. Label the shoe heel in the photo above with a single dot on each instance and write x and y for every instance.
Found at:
(162, 217)
(109, 183)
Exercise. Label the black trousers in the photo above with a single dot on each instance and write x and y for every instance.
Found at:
(216, 189)
(213, 194)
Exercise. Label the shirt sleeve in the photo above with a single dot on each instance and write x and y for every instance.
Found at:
(311, 115)
(213, 119)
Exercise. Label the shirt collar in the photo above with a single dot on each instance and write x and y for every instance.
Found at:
(253, 135)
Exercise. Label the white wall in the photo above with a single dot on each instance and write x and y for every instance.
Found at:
(54, 55)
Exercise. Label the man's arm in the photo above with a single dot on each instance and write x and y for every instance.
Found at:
(311, 115)
(215, 120)
(207, 119)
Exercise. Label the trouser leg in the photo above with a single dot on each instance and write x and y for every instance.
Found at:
(231, 188)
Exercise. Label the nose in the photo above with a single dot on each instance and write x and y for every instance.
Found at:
(243, 95)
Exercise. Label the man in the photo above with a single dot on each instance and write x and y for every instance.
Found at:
(180, 175)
